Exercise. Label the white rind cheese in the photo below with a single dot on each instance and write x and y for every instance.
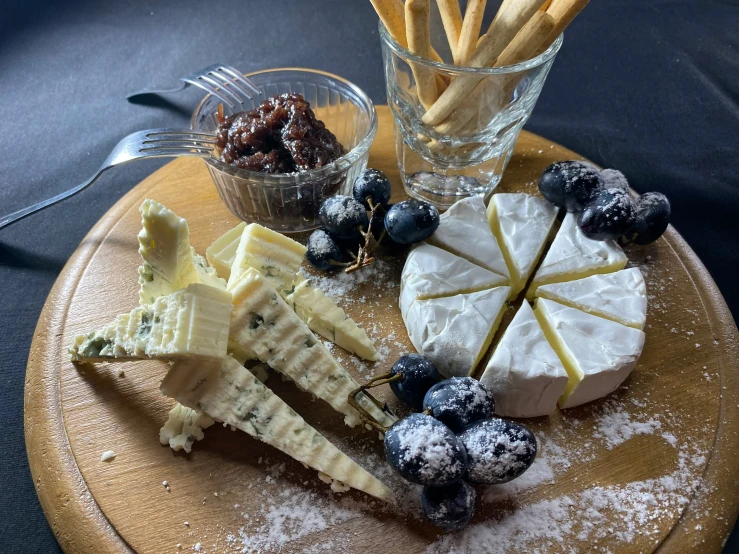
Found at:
(464, 230)
(597, 353)
(574, 256)
(328, 320)
(222, 252)
(193, 322)
(184, 426)
(524, 373)
(455, 331)
(522, 224)
(265, 326)
(620, 296)
(229, 393)
(169, 263)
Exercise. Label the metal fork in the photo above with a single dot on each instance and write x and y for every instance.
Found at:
(222, 81)
(152, 143)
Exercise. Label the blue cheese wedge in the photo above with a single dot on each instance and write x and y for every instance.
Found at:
(522, 224)
(464, 230)
(184, 426)
(263, 325)
(274, 255)
(192, 322)
(229, 393)
(620, 296)
(169, 263)
(524, 373)
(327, 319)
(597, 353)
(222, 252)
(574, 256)
(454, 332)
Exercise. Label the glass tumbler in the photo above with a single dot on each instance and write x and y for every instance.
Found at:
(467, 152)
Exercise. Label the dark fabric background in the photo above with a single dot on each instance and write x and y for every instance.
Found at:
(649, 87)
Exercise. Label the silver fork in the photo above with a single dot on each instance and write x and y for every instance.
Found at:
(152, 143)
(222, 81)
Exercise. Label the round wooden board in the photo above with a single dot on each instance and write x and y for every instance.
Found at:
(652, 467)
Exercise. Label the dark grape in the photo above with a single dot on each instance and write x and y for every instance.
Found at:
(613, 178)
(343, 217)
(418, 376)
(652, 218)
(322, 250)
(459, 401)
(411, 221)
(570, 185)
(372, 183)
(609, 216)
(450, 508)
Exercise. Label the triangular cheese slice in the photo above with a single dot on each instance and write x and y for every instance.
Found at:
(229, 393)
(222, 252)
(524, 373)
(597, 353)
(169, 263)
(574, 256)
(464, 230)
(264, 327)
(620, 296)
(522, 224)
(454, 332)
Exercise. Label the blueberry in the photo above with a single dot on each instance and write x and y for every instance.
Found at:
(498, 451)
(343, 216)
(322, 250)
(612, 178)
(450, 508)
(374, 184)
(570, 185)
(459, 401)
(411, 221)
(418, 376)
(609, 216)
(652, 218)
(424, 451)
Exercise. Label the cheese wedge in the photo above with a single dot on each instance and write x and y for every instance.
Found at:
(192, 322)
(265, 326)
(524, 373)
(597, 353)
(229, 393)
(169, 263)
(184, 426)
(454, 332)
(620, 296)
(464, 230)
(574, 256)
(328, 320)
(522, 224)
(274, 255)
(222, 252)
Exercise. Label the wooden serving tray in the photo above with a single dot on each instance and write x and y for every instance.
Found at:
(652, 467)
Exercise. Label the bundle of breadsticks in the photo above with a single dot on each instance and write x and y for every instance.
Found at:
(521, 30)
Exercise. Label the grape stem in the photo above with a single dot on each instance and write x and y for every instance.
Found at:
(364, 415)
(364, 256)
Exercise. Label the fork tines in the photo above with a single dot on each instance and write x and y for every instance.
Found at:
(224, 82)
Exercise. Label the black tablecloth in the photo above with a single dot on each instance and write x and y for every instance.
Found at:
(649, 87)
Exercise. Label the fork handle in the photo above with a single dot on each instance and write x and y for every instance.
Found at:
(156, 92)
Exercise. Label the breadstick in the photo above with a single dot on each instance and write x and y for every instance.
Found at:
(563, 12)
(418, 34)
(545, 5)
(391, 15)
(510, 22)
(451, 18)
(470, 31)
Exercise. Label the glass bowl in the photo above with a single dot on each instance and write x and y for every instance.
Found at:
(290, 202)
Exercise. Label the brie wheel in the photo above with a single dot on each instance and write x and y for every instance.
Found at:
(524, 374)
(574, 256)
(620, 296)
(597, 353)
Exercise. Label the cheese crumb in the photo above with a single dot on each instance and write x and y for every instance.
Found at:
(107, 456)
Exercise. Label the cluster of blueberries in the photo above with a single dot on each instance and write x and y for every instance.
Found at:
(455, 441)
(604, 206)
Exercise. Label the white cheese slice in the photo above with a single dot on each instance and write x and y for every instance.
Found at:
(464, 230)
(274, 255)
(264, 325)
(524, 373)
(192, 322)
(620, 296)
(184, 426)
(454, 332)
(522, 224)
(229, 393)
(222, 252)
(328, 320)
(574, 256)
(169, 263)
(597, 353)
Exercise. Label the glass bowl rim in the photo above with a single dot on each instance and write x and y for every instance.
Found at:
(310, 175)
(532, 63)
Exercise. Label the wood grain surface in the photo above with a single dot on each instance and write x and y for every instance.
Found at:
(683, 392)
